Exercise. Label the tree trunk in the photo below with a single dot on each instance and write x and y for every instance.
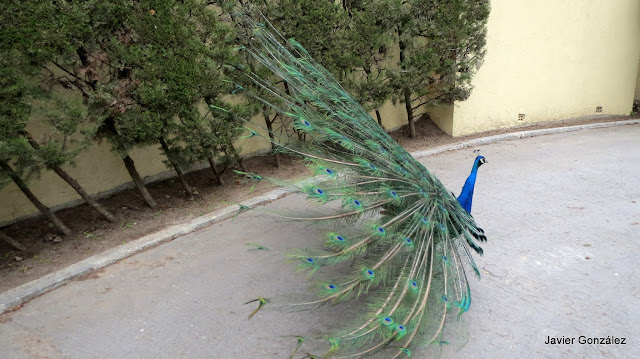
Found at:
(27, 192)
(129, 164)
(90, 201)
(407, 105)
(131, 168)
(73, 183)
(379, 117)
(301, 136)
(212, 164)
(165, 148)
(406, 91)
(367, 71)
(276, 156)
(12, 242)
(236, 155)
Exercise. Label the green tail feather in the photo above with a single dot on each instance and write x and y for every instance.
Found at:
(406, 234)
(261, 302)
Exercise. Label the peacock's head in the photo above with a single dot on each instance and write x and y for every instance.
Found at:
(481, 160)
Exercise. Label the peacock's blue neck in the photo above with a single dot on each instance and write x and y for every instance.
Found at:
(466, 195)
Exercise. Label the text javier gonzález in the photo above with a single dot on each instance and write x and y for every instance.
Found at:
(608, 340)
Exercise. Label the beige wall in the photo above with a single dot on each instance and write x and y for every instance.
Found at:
(552, 60)
(393, 116)
(637, 95)
(442, 116)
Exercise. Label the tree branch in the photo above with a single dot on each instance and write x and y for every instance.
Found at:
(76, 81)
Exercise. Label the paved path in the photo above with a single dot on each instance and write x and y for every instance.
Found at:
(562, 214)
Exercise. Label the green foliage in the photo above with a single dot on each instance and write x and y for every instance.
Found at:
(162, 62)
(140, 67)
(352, 40)
(18, 88)
(317, 25)
(442, 45)
(68, 120)
(368, 39)
(198, 137)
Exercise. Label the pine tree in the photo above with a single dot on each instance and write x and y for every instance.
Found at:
(316, 24)
(367, 42)
(62, 145)
(18, 160)
(25, 47)
(138, 66)
(442, 44)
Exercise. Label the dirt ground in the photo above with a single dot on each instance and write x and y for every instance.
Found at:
(48, 251)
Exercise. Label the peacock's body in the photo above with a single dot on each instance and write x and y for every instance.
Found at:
(399, 240)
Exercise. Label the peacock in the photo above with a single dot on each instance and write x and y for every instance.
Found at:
(397, 241)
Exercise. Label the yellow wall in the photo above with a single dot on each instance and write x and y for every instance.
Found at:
(552, 60)
(442, 115)
(393, 116)
(637, 95)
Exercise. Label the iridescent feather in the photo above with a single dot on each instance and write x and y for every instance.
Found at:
(407, 236)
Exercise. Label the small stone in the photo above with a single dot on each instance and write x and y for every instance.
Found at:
(17, 259)
(57, 240)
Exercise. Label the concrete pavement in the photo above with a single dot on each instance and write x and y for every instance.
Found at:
(561, 212)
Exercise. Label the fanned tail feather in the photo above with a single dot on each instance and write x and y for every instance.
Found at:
(406, 235)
